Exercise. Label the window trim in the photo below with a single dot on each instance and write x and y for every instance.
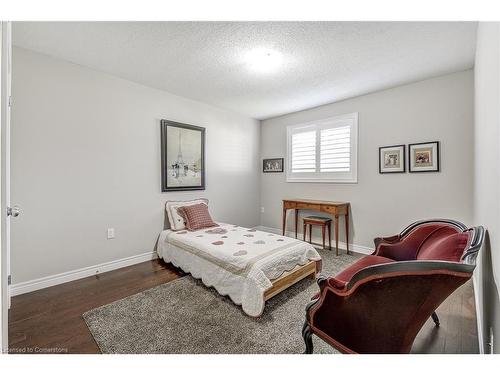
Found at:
(317, 124)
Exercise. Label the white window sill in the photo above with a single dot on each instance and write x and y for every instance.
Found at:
(322, 180)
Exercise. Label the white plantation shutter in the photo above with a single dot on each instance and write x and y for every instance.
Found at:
(335, 154)
(304, 152)
(324, 150)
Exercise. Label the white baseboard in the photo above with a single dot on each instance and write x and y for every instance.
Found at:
(317, 240)
(479, 317)
(48, 281)
(45, 282)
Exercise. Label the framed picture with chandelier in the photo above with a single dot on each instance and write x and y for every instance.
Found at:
(182, 156)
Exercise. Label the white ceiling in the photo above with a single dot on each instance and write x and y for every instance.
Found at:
(323, 62)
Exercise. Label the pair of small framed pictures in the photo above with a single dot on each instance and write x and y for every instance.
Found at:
(424, 157)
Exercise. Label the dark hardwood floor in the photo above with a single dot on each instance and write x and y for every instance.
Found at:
(50, 320)
(458, 330)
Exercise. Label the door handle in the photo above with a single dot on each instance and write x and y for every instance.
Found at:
(14, 211)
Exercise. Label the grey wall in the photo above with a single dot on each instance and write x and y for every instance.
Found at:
(86, 157)
(487, 172)
(439, 109)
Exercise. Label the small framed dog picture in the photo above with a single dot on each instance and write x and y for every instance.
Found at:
(424, 157)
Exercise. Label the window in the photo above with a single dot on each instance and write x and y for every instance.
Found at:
(324, 150)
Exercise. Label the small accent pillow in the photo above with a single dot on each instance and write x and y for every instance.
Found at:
(197, 216)
(177, 222)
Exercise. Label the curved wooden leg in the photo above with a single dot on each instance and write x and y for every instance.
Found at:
(307, 336)
(310, 233)
(435, 318)
(304, 230)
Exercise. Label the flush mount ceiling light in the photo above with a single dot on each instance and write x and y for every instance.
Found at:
(263, 60)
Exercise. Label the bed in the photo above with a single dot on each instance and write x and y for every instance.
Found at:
(248, 265)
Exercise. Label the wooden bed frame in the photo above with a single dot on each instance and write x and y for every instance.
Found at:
(289, 278)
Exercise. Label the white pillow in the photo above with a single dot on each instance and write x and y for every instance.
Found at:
(176, 221)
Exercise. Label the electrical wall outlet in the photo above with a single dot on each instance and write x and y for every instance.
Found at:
(262, 210)
(111, 233)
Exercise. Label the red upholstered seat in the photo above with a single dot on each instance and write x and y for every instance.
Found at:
(342, 278)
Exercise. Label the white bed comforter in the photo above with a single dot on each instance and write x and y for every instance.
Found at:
(236, 261)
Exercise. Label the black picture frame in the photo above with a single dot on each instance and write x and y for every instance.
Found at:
(438, 157)
(280, 160)
(380, 159)
(165, 124)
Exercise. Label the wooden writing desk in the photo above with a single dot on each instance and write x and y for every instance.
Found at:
(334, 208)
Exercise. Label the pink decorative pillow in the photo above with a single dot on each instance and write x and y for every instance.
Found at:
(196, 216)
(175, 220)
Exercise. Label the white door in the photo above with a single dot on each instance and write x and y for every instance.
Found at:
(5, 80)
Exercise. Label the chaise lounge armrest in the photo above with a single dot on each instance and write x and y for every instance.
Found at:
(360, 273)
(386, 240)
(399, 250)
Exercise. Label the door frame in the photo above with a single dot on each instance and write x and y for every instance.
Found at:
(5, 102)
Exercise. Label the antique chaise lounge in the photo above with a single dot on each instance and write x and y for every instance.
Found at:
(380, 303)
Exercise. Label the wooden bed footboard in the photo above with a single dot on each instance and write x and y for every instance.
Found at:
(289, 278)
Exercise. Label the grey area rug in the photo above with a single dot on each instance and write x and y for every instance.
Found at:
(184, 316)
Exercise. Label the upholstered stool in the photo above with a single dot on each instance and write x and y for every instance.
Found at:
(324, 222)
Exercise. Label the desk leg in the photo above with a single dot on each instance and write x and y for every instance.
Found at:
(323, 235)
(284, 220)
(296, 221)
(337, 234)
(330, 236)
(346, 218)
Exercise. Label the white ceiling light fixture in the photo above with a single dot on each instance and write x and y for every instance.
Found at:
(263, 60)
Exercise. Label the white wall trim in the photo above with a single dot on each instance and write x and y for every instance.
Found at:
(479, 316)
(61, 278)
(317, 240)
